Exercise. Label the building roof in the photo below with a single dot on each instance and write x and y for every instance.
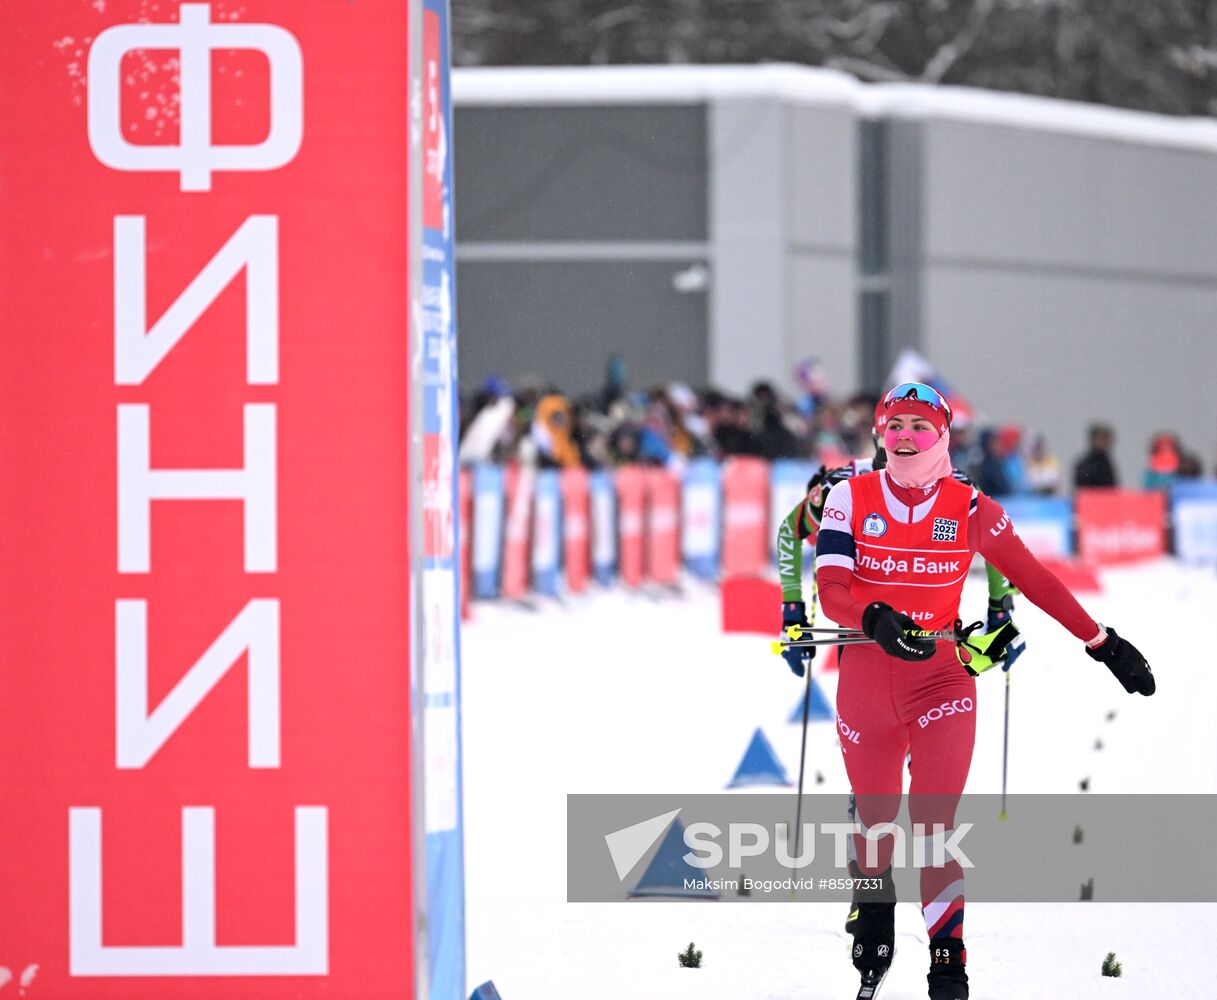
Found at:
(574, 85)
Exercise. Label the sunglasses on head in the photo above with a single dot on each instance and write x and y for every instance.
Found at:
(920, 391)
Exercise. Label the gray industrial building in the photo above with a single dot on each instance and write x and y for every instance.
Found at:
(1057, 262)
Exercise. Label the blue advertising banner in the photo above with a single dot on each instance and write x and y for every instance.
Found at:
(701, 520)
(1194, 513)
(489, 497)
(604, 526)
(442, 780)
(1045, 524)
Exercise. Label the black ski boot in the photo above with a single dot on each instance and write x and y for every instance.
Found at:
(874, 942)
(874, 931)
(948, 976)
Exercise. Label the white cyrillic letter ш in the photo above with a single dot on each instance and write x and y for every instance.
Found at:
(198, 954)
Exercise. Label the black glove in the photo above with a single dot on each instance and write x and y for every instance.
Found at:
(797, 657)
(888, 627)
(1125, 661)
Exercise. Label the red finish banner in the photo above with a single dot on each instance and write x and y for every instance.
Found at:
(203, 431)
(1116, 526)
(745, 517)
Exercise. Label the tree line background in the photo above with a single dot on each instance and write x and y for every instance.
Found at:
(1153, 55)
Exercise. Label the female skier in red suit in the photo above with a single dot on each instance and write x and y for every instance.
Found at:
(892, 556)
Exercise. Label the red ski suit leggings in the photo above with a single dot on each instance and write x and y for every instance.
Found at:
(886, 708)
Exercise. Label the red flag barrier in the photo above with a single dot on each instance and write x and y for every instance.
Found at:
(576, 538)
(515, 538)
(1117, 526)
(631, 504)
(745, 516)
(663, 526)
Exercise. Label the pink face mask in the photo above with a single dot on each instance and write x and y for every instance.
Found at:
(927, 466)
(921, 440)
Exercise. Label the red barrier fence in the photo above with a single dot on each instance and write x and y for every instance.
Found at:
(631, 510)
(520, 482)
(663, 526)
(576, 538)
(1117, 526)
(649, 522)
(745, 517)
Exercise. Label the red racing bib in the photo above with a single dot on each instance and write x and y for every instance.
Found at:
(916, 568)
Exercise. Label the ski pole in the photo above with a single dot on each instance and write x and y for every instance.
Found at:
(798, 809)
(777, 646)
(1005, 751)
(797, 632)
(853, 638)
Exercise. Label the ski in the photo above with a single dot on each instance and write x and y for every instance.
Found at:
(870, 986)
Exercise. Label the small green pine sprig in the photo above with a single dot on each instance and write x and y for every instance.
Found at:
(690, 958)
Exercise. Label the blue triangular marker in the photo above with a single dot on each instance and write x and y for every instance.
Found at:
(666, 874)
(485, 992)
(760, 765)
(818, 711)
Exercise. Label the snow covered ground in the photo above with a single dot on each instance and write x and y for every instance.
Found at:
(618, 692)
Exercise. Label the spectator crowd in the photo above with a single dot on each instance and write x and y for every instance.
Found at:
(669, 424)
